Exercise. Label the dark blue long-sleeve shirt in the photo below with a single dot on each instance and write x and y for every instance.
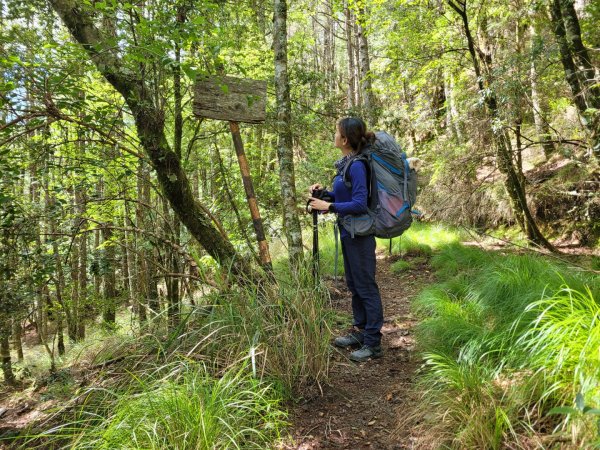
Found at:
(351, 201)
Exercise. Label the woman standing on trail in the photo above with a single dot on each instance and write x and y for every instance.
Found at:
(351, 137)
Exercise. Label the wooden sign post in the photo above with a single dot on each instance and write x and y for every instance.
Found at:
(237, 100)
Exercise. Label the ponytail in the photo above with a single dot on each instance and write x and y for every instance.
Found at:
(355, 131)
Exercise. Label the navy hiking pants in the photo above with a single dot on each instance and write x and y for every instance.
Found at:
(359, 265)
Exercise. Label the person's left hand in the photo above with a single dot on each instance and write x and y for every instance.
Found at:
(318, 204)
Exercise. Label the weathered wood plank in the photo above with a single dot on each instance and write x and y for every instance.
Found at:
(229, 98)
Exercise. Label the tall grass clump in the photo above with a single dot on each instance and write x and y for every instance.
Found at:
(564, 343)
(189, 408)
(283, 327)
(507, 338)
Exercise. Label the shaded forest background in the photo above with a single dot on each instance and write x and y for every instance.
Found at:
(115, 196)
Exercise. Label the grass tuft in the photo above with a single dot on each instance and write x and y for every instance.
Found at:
(186, 408)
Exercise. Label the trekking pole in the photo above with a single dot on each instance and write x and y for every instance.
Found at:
(335, 260)
(315, 227)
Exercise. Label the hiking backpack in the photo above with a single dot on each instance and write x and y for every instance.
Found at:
(392, 189)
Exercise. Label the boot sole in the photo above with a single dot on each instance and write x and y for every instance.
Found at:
(374, 356)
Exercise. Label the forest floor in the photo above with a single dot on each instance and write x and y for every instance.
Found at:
(362, 404)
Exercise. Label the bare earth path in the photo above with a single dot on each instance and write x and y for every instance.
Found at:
(361, 404)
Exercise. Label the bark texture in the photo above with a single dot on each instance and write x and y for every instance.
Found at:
(285, 153)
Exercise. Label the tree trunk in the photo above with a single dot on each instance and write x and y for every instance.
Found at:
(586, 92)
(586, 72)
(9, 376)
(149, 122)
(285, 153)
(171, 262)
(452, 118)
(84, 305)
(17, 338)
(357, 69)
(109, 312)
(538, 104)
(233, 205)
(350, 52)
(142, 251)
(59, 280)
(365, 70)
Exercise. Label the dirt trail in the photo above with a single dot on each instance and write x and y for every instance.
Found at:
(361, 403)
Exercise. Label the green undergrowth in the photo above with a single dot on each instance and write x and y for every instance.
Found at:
(181, 406)
(220, 379)
(401, 266)
(420, 240)
(506, 339)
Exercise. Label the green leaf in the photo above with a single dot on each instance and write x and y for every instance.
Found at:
(172, 177)
(563, 410)
(591, 411)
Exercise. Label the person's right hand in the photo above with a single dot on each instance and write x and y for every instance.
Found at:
(313, 187)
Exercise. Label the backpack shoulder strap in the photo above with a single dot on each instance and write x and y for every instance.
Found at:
(346, 175)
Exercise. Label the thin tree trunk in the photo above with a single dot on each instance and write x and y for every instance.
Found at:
(234, 205)
(109, 312)
(357, 69)
(141, 250)
(452, 118)
(350, 52)
(84, 306)
(59, 281)
(17, 333)
(365, 69)
(538, 104)
(586, 93)
(173, 288)
(9, 376)
(285, 153)
(72, 324)
(171, 262)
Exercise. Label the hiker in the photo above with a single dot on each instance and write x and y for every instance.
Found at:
(359, 250)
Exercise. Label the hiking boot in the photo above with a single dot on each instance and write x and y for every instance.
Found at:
(352, 339)
(366, 352)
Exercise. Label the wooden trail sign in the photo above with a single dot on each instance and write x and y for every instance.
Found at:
(232, 99)
(237, 100)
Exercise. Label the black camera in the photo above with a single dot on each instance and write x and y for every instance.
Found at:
(321, 194)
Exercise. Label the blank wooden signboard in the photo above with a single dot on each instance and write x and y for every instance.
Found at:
(232, 99)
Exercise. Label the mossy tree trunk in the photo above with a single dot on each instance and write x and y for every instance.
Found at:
(285, 143)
